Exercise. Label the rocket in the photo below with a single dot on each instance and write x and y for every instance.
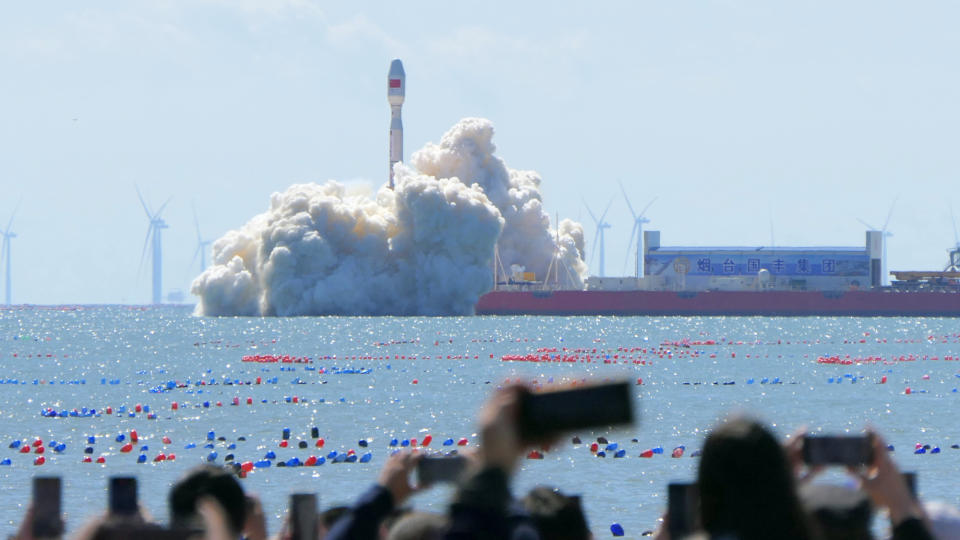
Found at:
(396, 90)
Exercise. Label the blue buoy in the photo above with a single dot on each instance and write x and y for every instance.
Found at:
(405, 442)
(366, 457)
(91, 440)
(232, 446)
(936, 450)
(142, 458)
(620, 453)
(616, 529)
(393, 442)
(61, 447)
(352, 458)
(601, 454)
(270, 455)
(121, 437)
(658, 450)
(211, 435)
(611, 447)
(332, 454)
(6, 461)
(262, 463)
(321, 460)
(293, 462)
(286, 433)
(212, 456)
(920, 451)
(362, 442)
(15, 444)
(890, 448)
(189, 446)
(88, 450)
(448, 442)
(208, 446)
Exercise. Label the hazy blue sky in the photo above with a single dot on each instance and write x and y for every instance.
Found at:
(736, 114)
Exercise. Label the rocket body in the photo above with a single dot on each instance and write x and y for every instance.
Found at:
(396, 91)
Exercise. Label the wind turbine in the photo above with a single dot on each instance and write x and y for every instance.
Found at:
(5, 251)
(201, 243)
(637, 231)
(601, 225)
(153, 238)
(884, 234)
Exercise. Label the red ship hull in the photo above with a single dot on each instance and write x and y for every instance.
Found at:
(749, 303)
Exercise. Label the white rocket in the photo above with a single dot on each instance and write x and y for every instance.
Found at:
(396, 89)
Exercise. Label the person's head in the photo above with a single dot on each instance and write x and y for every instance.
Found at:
(944, 519)
(330, 516)
(207, 481)
(746, 484)
(419, 526)
(556, 515)
(838, 512)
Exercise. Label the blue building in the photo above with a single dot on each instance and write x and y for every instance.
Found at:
(778, 268)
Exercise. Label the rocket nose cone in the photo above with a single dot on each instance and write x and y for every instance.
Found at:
(396, 68)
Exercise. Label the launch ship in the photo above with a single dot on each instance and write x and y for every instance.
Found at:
(749, 281)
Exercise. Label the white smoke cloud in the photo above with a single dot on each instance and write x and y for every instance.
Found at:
(426, 248)
(467, 152)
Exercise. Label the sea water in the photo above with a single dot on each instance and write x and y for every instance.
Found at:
(377, 379)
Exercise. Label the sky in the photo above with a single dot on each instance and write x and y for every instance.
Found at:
(751, 123)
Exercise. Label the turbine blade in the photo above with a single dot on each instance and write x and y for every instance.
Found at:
(143, 254)
(647, 207)
(604, 214)
(869, 226)
(630, 246)
(589, 210)
(630, 206)
(13, 215)
(196, 253)
(162, 206)
(143, 202)
(890, 213)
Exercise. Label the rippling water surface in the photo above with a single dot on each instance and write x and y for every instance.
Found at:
(424, 376)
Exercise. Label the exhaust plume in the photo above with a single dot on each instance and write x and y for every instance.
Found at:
(425, 248)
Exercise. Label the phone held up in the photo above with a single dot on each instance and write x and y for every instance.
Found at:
(853, 451)
(547, 414)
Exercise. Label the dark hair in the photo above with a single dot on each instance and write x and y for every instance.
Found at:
(556, 515)
(746, 485)
(208, 481)
(331, 515)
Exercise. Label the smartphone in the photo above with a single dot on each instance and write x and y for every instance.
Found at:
(683, 509)
(303, 518)
(838, 450)
(544, 414)
(911, 479)
(123, 496)
(47, 521)
(437, 469)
